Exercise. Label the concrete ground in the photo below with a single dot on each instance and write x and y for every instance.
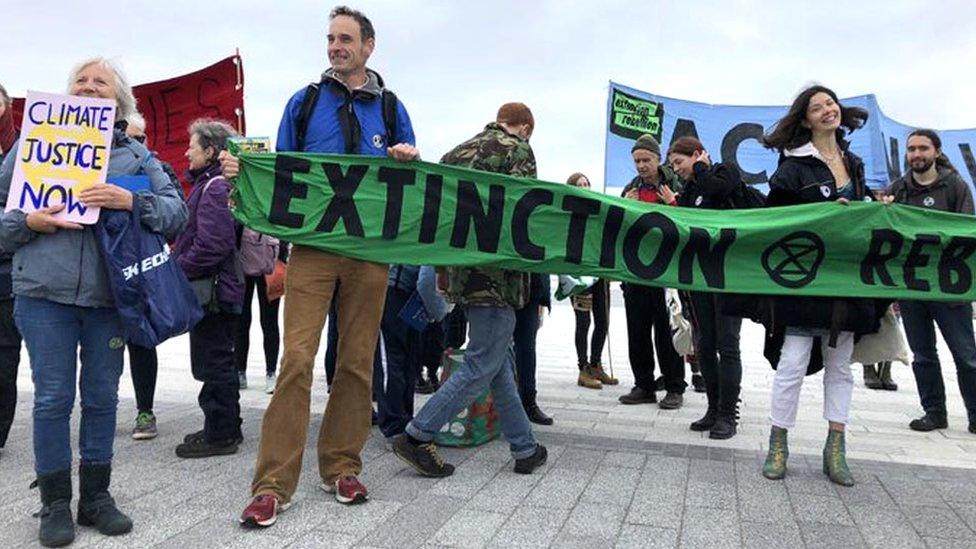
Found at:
(623, 476)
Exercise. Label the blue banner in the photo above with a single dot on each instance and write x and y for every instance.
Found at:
(732, 133)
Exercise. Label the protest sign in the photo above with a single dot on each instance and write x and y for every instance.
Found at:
(732, 135)
(377, 209)
(169, 106)
(64, 148)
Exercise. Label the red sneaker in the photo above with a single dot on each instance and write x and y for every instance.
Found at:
(262, 511)
(347, 490)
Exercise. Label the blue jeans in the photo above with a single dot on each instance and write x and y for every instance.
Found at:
(53, 333)
(394, 386)
(956, 324)
(487, 362)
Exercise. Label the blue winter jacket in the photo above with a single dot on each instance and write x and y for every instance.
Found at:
(66, 266)
(325, 130)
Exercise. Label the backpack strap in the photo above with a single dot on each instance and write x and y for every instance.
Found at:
(390, 116)
(305, 113)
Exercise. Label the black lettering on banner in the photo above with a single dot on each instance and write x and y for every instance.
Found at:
(730, 149)
(520, 223)
(214, 85)
(967, 157)
(580, 208)
(611, 229)
(396, 179)
(432, 208)
(665, 250)
(342, 206)
(487, 225)
(874, 261)
(285, 189)
(918, 258)
(169, 115)
(711, 259)
(683, 128)
(894, 159)
(953, 262)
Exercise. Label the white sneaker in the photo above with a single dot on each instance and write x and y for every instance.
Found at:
(269, 383)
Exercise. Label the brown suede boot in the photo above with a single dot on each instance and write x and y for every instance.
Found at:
(597, 371)
(586, 379)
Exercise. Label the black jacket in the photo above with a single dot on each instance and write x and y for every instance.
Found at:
(805, 180)
(949, 193)
(712, 188)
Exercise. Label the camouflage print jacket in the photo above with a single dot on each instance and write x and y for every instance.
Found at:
(492, 150)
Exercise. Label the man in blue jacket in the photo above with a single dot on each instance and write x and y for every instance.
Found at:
(350, 112)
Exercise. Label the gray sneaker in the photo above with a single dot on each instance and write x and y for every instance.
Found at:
(145, 428)
(269, 383)
(671, 401)
(242, 380)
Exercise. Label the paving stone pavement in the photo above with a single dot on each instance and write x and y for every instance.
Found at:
(617, 475)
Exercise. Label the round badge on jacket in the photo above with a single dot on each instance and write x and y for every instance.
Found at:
(929, 201)
(378, 141)
(825, 190)
(698, 201)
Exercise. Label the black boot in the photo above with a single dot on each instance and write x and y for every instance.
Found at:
(871, 379)
(57, 527)
(884, 374)
(95, 506)
(536, 415)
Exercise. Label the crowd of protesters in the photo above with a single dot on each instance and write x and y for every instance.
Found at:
(375, 355)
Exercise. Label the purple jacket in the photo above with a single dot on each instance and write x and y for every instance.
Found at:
(208, 245)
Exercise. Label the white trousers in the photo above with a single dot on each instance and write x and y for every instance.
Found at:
(838, 383)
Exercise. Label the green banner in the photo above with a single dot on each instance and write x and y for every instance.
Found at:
(377, 209)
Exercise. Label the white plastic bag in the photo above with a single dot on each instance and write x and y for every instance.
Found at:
(887, 345)
(681, 334)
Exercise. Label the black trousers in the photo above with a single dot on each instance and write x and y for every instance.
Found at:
(455, 328)
(600, 293)
(144, 367)
(431, 349)
(647, 314)
(394, 390)
(212, 361)
(269, 326)
(523, 343)
(9, 363)
(717, 351)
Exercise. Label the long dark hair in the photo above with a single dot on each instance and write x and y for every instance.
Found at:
(789, 132)
(941, 160)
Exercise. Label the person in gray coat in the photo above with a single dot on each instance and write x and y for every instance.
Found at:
(64, 301)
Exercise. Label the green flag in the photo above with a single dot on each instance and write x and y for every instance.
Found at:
(377, 209)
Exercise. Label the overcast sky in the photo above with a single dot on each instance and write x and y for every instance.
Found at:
(454, 63)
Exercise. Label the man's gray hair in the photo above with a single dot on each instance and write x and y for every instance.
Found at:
(136, 120)
(4, 97)
(124, 98)
(212, 133)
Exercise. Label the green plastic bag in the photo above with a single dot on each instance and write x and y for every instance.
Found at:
(476, 424)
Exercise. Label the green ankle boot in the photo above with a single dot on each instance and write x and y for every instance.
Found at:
(835, 459)
(775, 466)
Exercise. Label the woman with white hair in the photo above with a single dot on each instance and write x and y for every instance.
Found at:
(63, 302)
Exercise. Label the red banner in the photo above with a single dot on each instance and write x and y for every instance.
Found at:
(169, 107)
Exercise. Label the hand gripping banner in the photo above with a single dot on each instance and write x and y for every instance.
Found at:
(380, 210)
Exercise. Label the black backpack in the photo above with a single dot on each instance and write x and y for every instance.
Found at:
(312, 97)
(748, 197)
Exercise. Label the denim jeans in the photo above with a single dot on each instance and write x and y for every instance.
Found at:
(394, 386)
(487, 362)
(53, 333)
(956, 324)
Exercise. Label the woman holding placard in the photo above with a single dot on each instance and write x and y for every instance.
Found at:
(815, 165)
(64, 301)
